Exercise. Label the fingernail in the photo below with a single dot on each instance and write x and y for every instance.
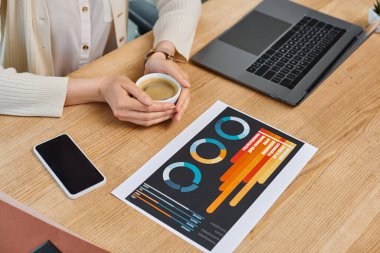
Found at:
(147, 100)
(187, 83)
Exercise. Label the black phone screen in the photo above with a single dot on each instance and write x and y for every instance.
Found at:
(69, 164)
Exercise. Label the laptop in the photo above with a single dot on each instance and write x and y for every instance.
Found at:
(281, 48)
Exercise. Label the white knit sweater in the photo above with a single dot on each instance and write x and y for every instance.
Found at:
(27, 87)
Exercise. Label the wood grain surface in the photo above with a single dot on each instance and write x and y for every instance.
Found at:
(332, 206)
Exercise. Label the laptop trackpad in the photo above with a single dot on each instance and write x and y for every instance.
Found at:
(255, 32)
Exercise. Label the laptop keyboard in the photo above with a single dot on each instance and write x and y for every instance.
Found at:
(295, 53)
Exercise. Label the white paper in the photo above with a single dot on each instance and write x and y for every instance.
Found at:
(241, 226)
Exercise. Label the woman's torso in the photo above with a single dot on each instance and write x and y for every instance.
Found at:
(79, 32)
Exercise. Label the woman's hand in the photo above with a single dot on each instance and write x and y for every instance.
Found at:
(157, 63)
(130, 103)
(127, 101)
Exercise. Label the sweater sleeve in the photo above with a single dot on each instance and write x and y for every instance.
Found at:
(177, 23)
(26, 94)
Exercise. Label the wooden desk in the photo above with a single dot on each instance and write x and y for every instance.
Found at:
(332, 206)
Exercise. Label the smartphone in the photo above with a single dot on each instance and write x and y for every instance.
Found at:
(69, 166)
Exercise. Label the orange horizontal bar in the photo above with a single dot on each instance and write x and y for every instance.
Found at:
(158, 209)
(245, 189)
(155, 201)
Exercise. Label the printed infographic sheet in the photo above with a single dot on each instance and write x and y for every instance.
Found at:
(215, 181)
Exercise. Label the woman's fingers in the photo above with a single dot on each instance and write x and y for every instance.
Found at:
(136, 92)
(173, 70)
(159, 65)
(150, 122)
(135, 105)
(182, 104)
(145, 116)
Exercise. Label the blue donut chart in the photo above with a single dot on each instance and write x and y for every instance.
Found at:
(193, 168)
(242, 135)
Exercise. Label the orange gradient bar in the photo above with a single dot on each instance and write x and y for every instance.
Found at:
(237, 156)
(234, 183)
(158, 209)
(231, 172)
(260, 174)
(252, 158)
(245, 189)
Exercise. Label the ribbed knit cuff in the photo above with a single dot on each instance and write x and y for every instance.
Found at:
(31, 95)
(177, 24)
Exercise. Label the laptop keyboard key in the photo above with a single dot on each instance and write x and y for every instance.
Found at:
(280, 75)
(274, 59)
(260, 60)
(256, 65)
(279, 55)
(302, 54)
(269, 74)
(261, 71)
(284, 60)
(285, 70)
(289, 66)
(276, 80)
(295, 72)
(285, 82)
(308, 59)
(289, 56)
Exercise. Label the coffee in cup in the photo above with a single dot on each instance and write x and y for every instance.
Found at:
(160, 87)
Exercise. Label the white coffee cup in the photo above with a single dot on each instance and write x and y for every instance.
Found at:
(167, 91)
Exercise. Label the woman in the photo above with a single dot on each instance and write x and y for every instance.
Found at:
(44, 39)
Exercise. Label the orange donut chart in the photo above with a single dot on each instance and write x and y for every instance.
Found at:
(197, 157)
